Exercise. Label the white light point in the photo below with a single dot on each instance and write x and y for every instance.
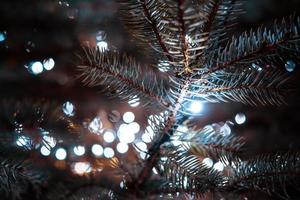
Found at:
(24, 141)
(122, 147)
(219, 166)
(196, 106)
(208, 162)
(108, 152)
(240, 118)
(79, 150)
(68, 109)
(128, 117)
(134, 102)
(146, 138)
(49, 141)
(95, 125)
(141, 146)
(97, 150)
(109, 136)
(61, 154)
(36, 67)
(45, 151)
(102, 45)
(48, 64)
(134, 127)
(81, 168)
(125, 135)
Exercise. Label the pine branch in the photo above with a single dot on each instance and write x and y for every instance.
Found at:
(251, 86)
(269, 173)
(263, 47)
(188, 173)
(16, 176)
(209, 142)
(119, 73)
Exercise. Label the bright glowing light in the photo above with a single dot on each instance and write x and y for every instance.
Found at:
(45, 151)
(109, 136)
(149, 131)
(128, 117)
(195, 106)
(188, 39)
(61, 154)
(97, 149)
(134, 127)
(225, 129)
(240, 118)
(219, 166)
(79, 150)
(49, 141)
(146, 138)
(36, 67)
(141, 146)
(122, 147)
(48, 64)
(81, 168)
(125, 135)
(108, 152)
(95, 126)
(208, 162)
(68, 109)
(2, 36)
(290, 66)
(23, 141)
(100, 36)
(102, 45)
(134, 102)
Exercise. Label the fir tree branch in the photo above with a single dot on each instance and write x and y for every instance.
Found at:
(112, 70)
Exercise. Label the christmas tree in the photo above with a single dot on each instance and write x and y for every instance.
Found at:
(189, 56)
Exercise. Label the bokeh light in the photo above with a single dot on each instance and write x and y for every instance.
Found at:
(208, 162)
(61, 154)
(218, 166)
(81, 168)
(108, 152)
(128, 117)
(79, 150)
(102, 45)
(49, 64)
(45, 151)
(240, 118)
(109, 136)
(68, 109)
(122, 147)
(97, 150)
(35, 67)
(95, 125)
(24, 141)
(2, 36)
(195, 106)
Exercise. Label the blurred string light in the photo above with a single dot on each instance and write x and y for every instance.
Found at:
(208, 162)
(49, 64)
(24, 141)
(61, 154)
(38, 67)
(95, 125)
(125, 134)
(240, 118)
(35, 67)
(225, 130)
(81, 168)
(146, 138)
(218, 166)
(195, 106)
(79, 150)
(134, 101)
(109, 136)
(133, 127)
(2, 36)
(290, 66)
(101, 43)
(49, 141)
(141, 146)
(108, 152)
(45, 151)
(122, 147)
(97, 150)
(128, 117)
(68, 108)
